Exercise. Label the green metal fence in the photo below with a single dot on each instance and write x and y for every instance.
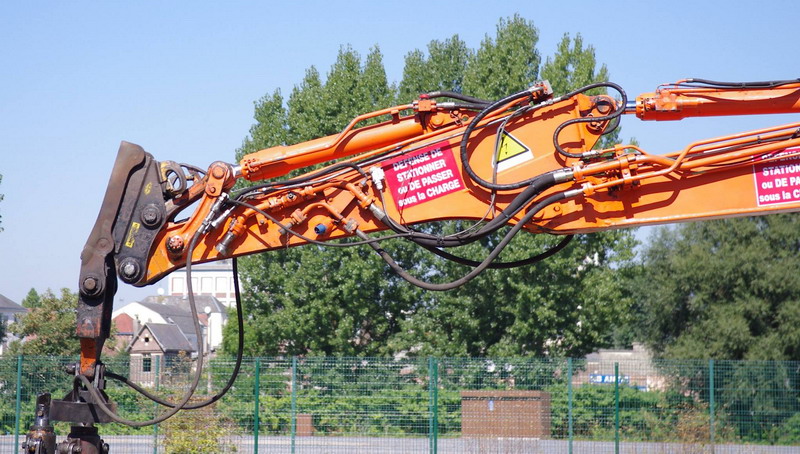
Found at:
(439, 405)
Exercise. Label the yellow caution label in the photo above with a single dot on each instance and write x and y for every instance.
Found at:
(129, 240)
(510, 147)
(511, 152)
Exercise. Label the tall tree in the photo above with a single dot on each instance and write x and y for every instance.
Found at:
(442, 69)
(725, 289)
(32, 299)
(510, 61)
(312, 301)
(49, 327)
(574, 66)
(270, 127)
(565, 305)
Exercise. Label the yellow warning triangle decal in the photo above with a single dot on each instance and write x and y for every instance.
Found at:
(510, 147)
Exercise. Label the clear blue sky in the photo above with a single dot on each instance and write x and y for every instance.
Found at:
(180, 79)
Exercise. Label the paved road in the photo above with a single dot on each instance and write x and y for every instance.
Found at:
(141, 444)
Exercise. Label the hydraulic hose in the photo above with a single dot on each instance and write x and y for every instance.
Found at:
(234, 374)
(483, 264)
(505, 265)
(468, 132)
(99, 400)
(615, 114)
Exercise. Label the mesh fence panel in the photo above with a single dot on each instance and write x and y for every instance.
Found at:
(435, 405)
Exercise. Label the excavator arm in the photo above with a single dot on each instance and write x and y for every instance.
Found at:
(529, 161)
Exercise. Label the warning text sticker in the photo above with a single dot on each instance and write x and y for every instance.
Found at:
(778, 181)
(423, 176)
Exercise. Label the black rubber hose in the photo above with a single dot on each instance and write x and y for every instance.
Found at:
(505, 265)
(482, 265)
(617, 112)
(99, 400)
(456, 95)
(301, 179)
(234, 374)
(759, 84)
(468, 132)
(524, 198)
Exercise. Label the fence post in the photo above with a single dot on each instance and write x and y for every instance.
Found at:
(257, 392)
(433, 392)
(294, 401)
(711, 401)
(569, 402)
(616, 408)
(157, 382)
(18, 406)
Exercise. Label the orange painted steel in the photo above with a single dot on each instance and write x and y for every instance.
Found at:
(674, 102)
(622, 186)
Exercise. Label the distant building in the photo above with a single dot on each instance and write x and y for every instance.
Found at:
(173, 310)
(126, 328)
(213, 278)
(635, 365)
(9, 311)
(157, 346)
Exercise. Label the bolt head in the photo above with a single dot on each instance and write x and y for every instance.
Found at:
(90, 284)
(175, 244)
(218, 171)
(129, 270)
(151, 215)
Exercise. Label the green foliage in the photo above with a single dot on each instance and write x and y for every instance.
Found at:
(32, 299)
(722, 289)
(505, 64)
(442, 69)
(593, 410)
(48, 328)
(270, 127)
(790, 431)
(290, 311)
(574, 66)
(201, 431)
(561, 306)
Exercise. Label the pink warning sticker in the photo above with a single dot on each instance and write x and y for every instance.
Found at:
(778, 181)
(423, 175)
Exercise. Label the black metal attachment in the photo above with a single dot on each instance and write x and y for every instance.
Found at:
(78, 406)
(40, 438)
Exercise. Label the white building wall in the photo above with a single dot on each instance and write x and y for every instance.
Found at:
(215, 279)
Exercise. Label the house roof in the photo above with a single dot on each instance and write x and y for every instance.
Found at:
(200, 302)
(6, 305)
(168, 336)
(174, 314)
